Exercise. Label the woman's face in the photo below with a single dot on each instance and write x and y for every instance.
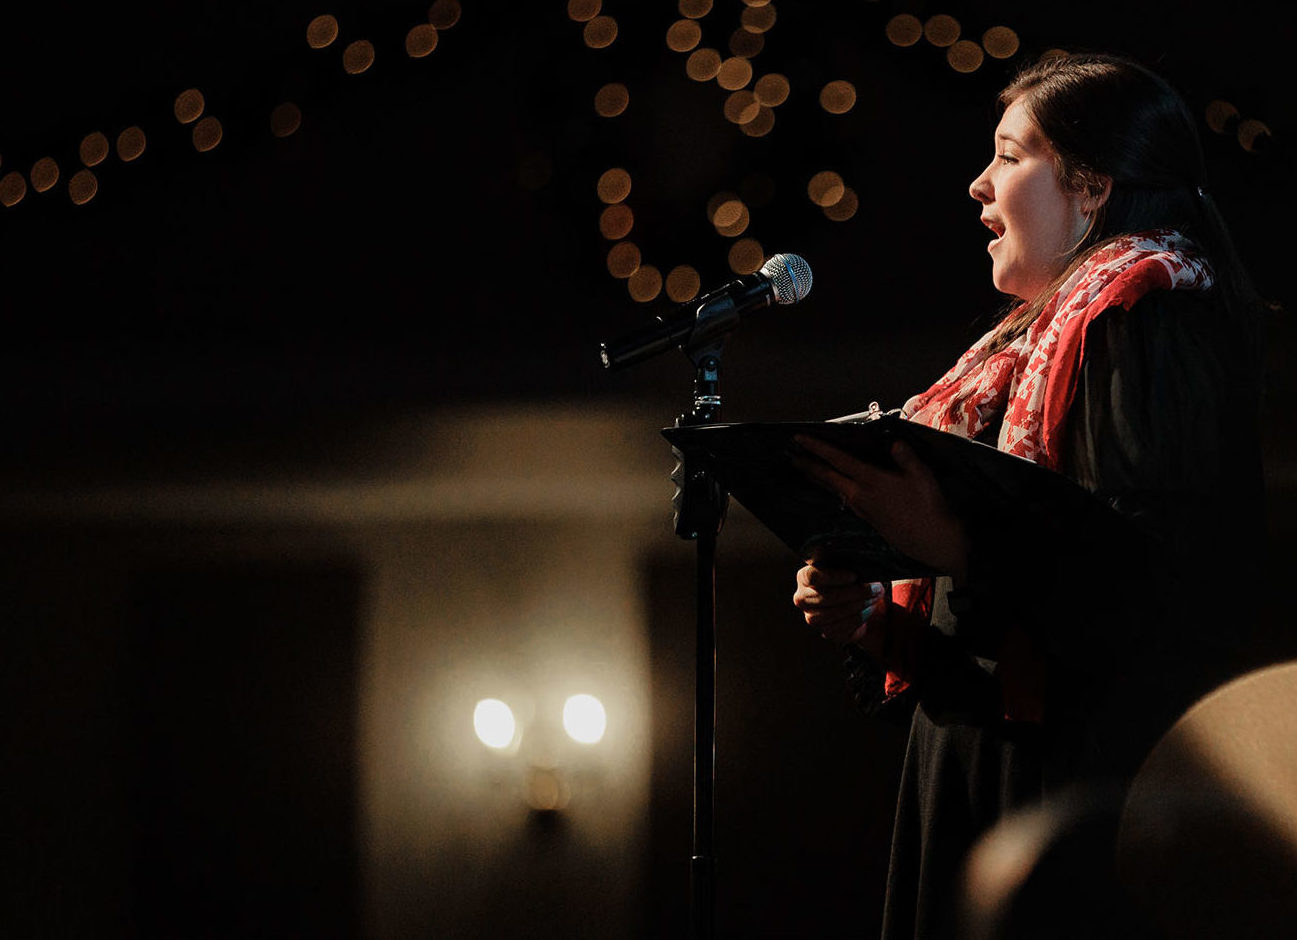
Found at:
(1036, 223)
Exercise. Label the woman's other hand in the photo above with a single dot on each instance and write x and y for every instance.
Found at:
(905, 505)
(842, 608)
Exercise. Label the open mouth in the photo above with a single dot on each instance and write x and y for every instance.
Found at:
(997, 229)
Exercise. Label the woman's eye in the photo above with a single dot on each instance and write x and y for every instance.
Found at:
(1005, 158)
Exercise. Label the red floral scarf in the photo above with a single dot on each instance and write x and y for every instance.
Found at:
(1032, 383)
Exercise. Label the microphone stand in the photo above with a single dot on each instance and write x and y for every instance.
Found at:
(700, 504)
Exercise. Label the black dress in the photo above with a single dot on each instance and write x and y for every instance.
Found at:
(1131, 627)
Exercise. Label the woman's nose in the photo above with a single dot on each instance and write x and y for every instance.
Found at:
(980, 188)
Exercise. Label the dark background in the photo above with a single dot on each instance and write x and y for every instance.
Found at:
(430, 234)
(428, 240)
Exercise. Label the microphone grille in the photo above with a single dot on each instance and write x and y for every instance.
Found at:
(790, 277)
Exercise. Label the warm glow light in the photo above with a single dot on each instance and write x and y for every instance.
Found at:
(358, 56)
(494, 723)
(583, 11)
(584, 718)
(421, 40)
(1220, 114)
(741, 107)
(838, 97)
(731, 218)
(683, 35)
(825, 188)
(189, 106)
(623, 259)
(616, 221)
(1252, 134)
(1000, 42)
(207, 134)
(734, 73)
(771, 90)
(965, 56)
(45, 173)
(682, 283)
(321, 31)
(130, 144)
(93, 149)
(443, 14)
(600, 32)
(746, 256)
(760, 125)
(614, 185)
(758, 19)
(645, 284)
(941, 30)
(844, 208)
(695, 9)
(12, 189)
(611, 100)
(703, 64)
(285, 119)
(904, 29)
(82, 187)
(746, 44)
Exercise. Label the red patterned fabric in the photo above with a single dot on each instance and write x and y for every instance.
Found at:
(1032, 383)
(1033, 380)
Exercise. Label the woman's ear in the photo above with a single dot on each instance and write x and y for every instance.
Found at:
(1096, 194)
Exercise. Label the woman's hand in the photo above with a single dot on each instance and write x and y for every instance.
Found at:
(905, 505)
(842, 608)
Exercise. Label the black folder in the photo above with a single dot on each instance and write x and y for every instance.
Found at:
(753, 462)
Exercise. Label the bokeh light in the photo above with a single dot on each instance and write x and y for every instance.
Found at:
(443, 14)
(645, 284)
(844, 208)
(941, 30)
(746, 256)
(683, 283)
(965, 56)
(904, 29)
(838, 97)
(358, 57)
(1252, 134)
(825, 188)
(734, 73)
(758, 19)
(600, 32)
(741, 107)
(616, 221)
(695, 9)
(703, 65)
(1220, 114)
(12, 189)
(188, 106)
(285, 119)
(207, 134)
(623, 259)
(82, 187)
(746, 44)
(584, 719)
(684, 35)
(1000, 42)
(494, 723)
(611, 100)
(583, 11)
(614, 185)
(772, 90)
(93, 149)
(131, 144)
(760, 125)
(321, 31)
(44, 174)
(421, 40)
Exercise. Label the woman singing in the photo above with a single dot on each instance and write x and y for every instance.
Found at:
(1047, 658)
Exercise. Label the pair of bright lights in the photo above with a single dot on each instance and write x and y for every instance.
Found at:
(584, 719)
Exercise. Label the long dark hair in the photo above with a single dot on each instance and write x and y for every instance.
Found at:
(1109, 117)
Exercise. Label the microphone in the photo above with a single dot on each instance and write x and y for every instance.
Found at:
(783, 279)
